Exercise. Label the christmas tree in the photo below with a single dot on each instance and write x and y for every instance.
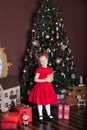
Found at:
(48, 36)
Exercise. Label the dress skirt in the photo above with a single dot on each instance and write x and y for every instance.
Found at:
(43, 94)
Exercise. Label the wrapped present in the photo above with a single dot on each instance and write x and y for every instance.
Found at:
(8, 125)
(61, 97)
(11, 117)
(66, 111)
(63, 111)
(25, 112)
(60, 111)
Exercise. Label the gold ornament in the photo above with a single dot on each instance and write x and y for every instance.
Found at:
(57, 36)
(58, 60)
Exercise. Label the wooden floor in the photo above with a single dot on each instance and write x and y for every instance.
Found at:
(77, 121)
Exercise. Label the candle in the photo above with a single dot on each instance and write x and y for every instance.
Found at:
(81, 80)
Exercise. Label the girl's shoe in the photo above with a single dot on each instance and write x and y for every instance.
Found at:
(50, 117)
(40, 118)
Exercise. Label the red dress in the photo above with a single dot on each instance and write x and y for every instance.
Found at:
(43, 92)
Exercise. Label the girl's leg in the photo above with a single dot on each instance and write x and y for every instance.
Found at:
(47, 107)
(40, 111)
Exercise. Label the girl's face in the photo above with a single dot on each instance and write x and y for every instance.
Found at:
(43, 61)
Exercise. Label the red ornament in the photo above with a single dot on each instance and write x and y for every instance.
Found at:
(54, 19)
(61, 55)
(45, 53)
(54, 44)
(56, 68)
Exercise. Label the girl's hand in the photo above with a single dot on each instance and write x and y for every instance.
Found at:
(49, 78)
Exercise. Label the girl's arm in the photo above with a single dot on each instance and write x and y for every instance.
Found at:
(50, 77)
(36, 79)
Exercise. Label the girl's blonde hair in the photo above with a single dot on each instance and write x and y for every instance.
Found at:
(39, 56)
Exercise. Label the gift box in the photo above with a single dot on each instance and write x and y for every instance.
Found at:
(63, 111)
(24, 109)
(11, 117)
(66, 111)
(60, 111)
(60, 97)
(8, 125)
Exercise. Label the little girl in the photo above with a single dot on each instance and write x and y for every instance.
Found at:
(43, 93)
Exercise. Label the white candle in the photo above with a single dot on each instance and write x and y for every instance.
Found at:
(81, 80)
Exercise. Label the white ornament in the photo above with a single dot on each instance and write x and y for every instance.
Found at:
(63, 64)
(42, 16)
(63, 47)
(51, 39)
(71, 68)
(61, 43)
(60, 25)
(47, 36)
(35, 43)
(57, 28)
(52, 32)
(33, 30)
(42, 33)
(48, 50)
(73, 76)
(63, 74)
(56, 23)
(48, 9)
(67, 58)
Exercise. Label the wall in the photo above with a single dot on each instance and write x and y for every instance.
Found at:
(15, 21)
